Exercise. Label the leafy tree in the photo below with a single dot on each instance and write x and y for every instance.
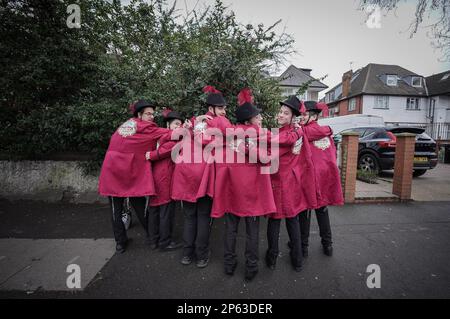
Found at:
(68, 89)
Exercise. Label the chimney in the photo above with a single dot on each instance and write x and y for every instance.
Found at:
(307, 71)
(346, 78)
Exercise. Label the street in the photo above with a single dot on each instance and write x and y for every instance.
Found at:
(409, 242)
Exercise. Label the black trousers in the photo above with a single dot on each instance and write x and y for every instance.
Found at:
(139, 205)
(161, 219)
(273, 234)
(251, 242)
(324, 226)
(197, 226)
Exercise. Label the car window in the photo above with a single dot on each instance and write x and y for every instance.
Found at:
(381, 134)
(368, 132)
(423, 137)
(359, 130)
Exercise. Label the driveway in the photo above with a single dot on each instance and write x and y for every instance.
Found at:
(434, 185)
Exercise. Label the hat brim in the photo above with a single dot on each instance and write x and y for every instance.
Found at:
(167, 119)
(294, 110)
(141, 107)
(215, 104)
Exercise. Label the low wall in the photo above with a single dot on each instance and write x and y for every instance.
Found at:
(47, 180)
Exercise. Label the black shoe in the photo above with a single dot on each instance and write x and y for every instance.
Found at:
(154, 246)
(229, 270)
(270, 262)
(249, 275)
(297, 268)
(186, 260)
(328, 250)
(305, 252)
(121, 247)
(202, 263)
(172, 246)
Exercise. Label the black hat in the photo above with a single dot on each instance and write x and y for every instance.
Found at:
(139, 105)
(311, 106)
(169, 115)
(246, 109)
(293, 103)
(215, 97)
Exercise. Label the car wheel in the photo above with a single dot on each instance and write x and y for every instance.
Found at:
(368, 163)
(419, 172)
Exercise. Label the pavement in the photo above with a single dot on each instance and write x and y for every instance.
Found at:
(39, 240)
(434, 185)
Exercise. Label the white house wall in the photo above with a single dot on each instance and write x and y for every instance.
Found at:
(442, 109)
(397, 111)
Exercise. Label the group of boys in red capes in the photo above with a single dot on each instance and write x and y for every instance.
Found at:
(224, 177)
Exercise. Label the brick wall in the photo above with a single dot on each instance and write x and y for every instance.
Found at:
(403, 167)
(349, 163)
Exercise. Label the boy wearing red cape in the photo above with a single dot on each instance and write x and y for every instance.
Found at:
(125, 171)
(162, 207)
(242, 191)
(326, 174)
(193, 181)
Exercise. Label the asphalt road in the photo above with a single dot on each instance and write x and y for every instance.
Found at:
(409, 242)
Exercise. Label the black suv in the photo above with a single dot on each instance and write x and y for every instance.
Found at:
(377, 148)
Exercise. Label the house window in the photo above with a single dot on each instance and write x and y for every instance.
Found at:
(332, 96)
(331, 112)
(412, 103)
(288, 91)
(417, 81)
(391, 80)
(352, 104)
(381, 102)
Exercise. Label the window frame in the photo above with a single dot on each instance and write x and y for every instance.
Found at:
(417, 105)
(386, 102)
(420, 81)
(353, 99)
(393, 76)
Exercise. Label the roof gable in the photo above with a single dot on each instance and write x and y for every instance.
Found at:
(438, 84)
(294, 76)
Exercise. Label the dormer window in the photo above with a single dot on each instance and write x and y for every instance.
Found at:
(416, 81)
(391, 80)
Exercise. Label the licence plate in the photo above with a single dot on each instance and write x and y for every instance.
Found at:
(420, 159)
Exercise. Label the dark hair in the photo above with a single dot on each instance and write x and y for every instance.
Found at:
(142, 110)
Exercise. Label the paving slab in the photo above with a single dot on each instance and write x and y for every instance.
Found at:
(41, 264)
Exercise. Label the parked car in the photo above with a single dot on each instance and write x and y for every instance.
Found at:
(377, 148)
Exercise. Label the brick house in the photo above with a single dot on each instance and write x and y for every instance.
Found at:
(400, 96)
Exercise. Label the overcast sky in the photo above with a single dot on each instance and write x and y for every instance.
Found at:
(330, 34)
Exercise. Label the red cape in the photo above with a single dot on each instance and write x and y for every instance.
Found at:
(326, 171)
(241, 189)
(293, 182)
(125, 171)
(192, 181)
